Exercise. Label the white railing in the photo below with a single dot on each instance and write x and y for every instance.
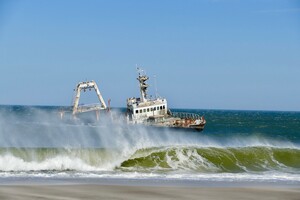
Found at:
(90, 107)
(185, 115)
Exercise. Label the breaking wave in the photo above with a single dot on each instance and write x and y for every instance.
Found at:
(159, 160)
(216, 160)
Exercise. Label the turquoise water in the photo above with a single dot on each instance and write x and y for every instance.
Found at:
(235, 145)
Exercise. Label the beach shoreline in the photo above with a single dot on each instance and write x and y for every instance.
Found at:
(122, 191)
(147, 182)
(87, 188)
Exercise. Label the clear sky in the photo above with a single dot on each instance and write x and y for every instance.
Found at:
(206, 54)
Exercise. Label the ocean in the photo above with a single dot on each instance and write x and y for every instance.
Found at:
(235, 146)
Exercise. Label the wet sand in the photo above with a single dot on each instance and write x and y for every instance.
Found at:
(94, 191)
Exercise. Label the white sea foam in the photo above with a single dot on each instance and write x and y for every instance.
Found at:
(189, 159)
(212, 177)
(59, 163)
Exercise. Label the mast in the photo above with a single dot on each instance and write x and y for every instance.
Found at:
(142, 78)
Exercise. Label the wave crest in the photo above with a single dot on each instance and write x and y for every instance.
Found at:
(212, 159)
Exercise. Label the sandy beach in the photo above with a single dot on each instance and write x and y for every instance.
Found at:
(87, 191)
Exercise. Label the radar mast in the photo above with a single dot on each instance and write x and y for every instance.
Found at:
(142, 78)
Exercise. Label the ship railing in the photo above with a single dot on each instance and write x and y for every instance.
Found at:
(90, 107)
(185, 115)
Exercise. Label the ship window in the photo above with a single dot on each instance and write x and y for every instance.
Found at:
(154, 108)
(148, 109)
(151, 109)
(144, 110)
(157, 107)
(136, 111)
(164, 107)
(141, 110)
(161, 107)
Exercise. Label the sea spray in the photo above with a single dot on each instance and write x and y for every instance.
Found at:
(34, 140)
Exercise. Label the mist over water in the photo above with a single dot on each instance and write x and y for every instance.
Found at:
(35, 141)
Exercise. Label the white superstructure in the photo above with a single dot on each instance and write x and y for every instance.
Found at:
(139, 110)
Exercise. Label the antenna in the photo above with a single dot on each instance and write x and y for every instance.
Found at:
(140, 71)
(136, 67)
(155, 85)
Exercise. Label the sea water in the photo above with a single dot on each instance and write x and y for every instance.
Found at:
(235, 146)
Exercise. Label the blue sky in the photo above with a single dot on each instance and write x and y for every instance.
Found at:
(206, 54)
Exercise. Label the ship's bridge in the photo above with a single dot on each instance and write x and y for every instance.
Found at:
(140, 111)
